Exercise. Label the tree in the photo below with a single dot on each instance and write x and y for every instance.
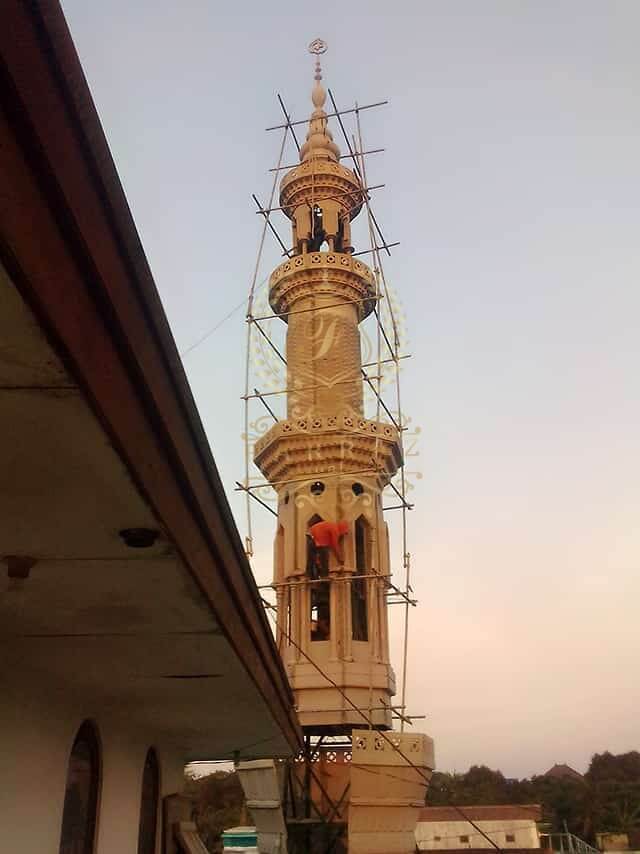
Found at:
(607, 799)
(614, 785)
(218, 803)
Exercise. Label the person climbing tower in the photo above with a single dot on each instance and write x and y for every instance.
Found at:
(328, 536)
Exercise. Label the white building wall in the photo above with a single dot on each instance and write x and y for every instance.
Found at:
(37, 730)
(450, 832)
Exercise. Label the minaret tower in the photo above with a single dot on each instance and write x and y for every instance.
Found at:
(326, 461)
(356, 786)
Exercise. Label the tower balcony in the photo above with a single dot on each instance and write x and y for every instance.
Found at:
(335, 444)
(334, 276)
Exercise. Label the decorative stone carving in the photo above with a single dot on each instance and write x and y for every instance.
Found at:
(389, 780)
(317, 274)
(315, 445)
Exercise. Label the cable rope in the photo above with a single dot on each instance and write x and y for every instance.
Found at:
(274, 615)
(272, 610)
(221, 321)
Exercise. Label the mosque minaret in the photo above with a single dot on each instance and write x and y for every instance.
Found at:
(328, 465)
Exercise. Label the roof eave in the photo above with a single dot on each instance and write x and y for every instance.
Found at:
(102, 309)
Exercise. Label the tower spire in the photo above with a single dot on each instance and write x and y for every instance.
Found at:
(319, 138)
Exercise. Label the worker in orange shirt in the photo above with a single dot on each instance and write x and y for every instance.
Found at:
(326, 536)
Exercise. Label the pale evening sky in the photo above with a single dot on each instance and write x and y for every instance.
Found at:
(512, 181)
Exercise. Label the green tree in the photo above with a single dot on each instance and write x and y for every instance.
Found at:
(607, 799)
(218, 804)
(614, 789)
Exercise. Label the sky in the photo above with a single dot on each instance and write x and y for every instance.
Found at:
(512, 181)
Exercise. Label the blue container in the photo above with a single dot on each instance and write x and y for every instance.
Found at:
(239, 837)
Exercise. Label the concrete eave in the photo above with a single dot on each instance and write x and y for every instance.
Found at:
(87, 281)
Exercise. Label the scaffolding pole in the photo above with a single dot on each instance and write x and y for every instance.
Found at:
(406, 558)
(249, 537)
(290, 124)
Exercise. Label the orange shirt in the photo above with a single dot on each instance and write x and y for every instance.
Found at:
(328, 534)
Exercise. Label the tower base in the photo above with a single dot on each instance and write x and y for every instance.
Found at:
(359, 795)
(389, 782)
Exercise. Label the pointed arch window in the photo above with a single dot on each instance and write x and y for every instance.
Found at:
(359, 616)
(279, 553)
(320, 598)
(317, 558)
(149, 804)
(82, 791)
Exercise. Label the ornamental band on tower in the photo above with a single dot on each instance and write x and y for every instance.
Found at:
(357, 785)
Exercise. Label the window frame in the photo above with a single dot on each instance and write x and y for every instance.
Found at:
(150, 761)
(87, 734)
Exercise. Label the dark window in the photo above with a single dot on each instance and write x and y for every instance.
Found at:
(357, 488)
(288, 626)
(320, 612)
(318, 229)
(359, 585)
(280, 553)
(361, 545)
(464, 839)
(317, 487)
(149, 805)
(510, 837)
(81, 796)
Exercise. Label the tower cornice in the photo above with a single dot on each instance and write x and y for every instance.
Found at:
(342, 444)
(327, 274)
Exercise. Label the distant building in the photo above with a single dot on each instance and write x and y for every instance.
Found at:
(509, 826)
(611, 843)
(563, 772)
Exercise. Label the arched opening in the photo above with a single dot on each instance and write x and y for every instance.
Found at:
(149, 804)
(318, 233)
(320, 612)
(318, 568)
(317, 559)
(288, 617)
(359, 617)
(82, 791)
(279, 553)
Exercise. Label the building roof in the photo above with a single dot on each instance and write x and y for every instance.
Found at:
(93, 349)
(562, 772)
(497, 812)
(468, 850)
